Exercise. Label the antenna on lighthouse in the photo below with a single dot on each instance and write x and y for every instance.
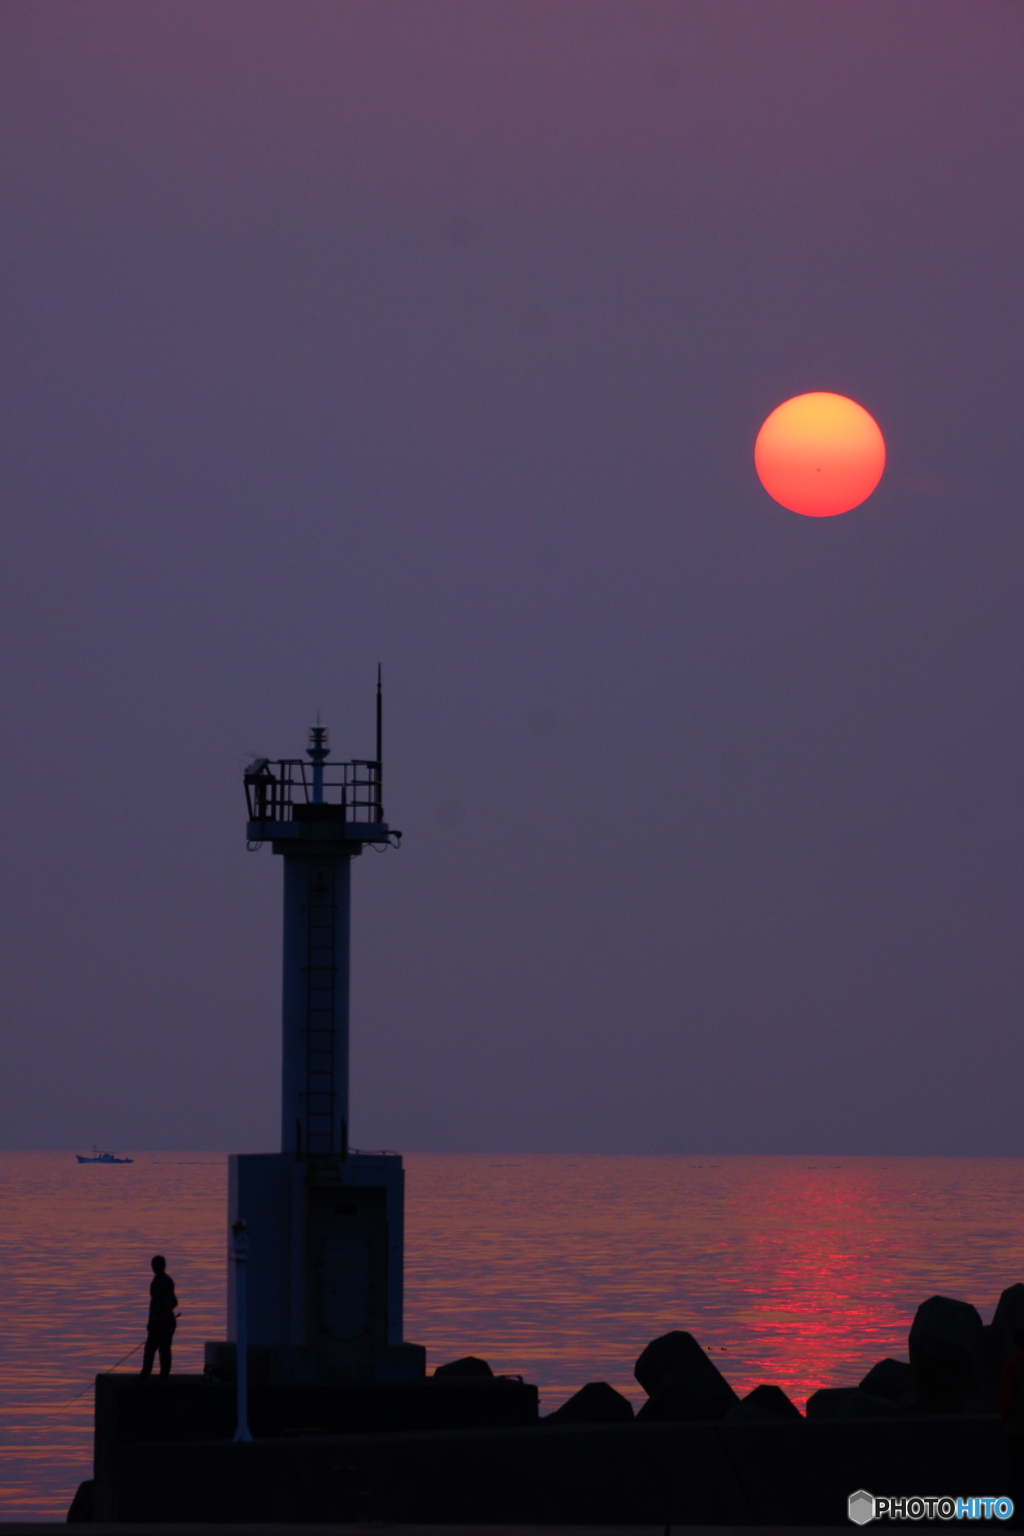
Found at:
(380, 748)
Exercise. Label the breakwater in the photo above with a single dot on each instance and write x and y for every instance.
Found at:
(465, 1444)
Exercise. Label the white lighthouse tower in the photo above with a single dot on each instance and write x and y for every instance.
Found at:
(324, 1267)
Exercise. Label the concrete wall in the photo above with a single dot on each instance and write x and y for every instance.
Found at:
(325, 1252)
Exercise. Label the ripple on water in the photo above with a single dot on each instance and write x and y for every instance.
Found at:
(802, 1271)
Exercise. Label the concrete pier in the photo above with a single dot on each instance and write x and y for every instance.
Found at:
(530, 1473)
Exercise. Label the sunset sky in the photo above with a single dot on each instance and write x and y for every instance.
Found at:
(438, 333)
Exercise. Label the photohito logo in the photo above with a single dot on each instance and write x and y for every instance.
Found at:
(863, 1507)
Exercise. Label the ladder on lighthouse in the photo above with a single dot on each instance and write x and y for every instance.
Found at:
(320, 1032)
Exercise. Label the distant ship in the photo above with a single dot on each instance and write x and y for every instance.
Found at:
(103, 1157)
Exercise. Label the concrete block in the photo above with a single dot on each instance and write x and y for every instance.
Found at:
(596, 1403)
(683, 1382)
(831, 1403)
(469, 1365)
(764, 1402)
(891, 1379)
(945, 1350)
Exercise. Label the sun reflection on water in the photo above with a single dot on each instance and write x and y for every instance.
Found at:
(801, 1271)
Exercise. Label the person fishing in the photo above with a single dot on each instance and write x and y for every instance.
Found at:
(162, 1321)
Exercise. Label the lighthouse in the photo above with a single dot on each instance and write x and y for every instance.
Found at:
(324, 1269)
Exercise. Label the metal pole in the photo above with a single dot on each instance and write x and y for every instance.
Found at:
(240, 1253)
(318, 750)
(380, 749)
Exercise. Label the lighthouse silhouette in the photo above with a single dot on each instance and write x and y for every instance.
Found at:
(324, 1269)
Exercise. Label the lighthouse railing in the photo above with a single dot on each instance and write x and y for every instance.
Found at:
(276, 791)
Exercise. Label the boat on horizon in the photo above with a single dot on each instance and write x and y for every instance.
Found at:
(103, 1157)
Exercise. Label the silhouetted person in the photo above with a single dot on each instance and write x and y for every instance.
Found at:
(1011, 1406)
(162, 1321)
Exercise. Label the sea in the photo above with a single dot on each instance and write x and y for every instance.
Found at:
(798, 1270)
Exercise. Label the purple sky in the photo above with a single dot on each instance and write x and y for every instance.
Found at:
(439, 334)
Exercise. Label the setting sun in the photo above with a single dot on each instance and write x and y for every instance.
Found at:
(819, 454)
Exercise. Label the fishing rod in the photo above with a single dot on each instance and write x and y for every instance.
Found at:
(105, 1373)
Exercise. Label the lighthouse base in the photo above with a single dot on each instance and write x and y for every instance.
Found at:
(324, 1273)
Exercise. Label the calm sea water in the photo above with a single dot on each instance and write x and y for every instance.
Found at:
(802, 1271)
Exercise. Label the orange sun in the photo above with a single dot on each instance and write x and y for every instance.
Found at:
(819, 454)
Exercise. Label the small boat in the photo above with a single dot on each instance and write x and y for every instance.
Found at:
(103, 1157)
